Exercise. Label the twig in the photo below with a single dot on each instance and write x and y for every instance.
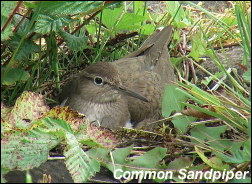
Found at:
(23, 17)
(11, 16)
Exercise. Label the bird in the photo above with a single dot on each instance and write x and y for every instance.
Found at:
(128, 91)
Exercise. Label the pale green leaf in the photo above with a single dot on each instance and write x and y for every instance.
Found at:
(7, 7)
(75, 43)
(198, 46)
(129, 21)
(182, 122)
(110, 17)
(48, 23)
(80, 165)
(150, 159)
(211, 135)
(172, 99)
(213, 162)
(247, 75)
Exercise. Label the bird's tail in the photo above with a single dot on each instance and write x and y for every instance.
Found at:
(156, 52)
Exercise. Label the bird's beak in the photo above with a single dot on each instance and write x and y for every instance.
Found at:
(132, 93)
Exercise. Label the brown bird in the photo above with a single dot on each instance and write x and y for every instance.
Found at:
(128, 90)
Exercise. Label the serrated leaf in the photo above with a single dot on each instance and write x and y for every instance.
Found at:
(26, 151)
(75, 43)
(14, 75)
(98, 135)
(55, 124)
(7, 7)
(71, 7)
(74, 119)
(80, 165)
(172, 99)
(22, 26)
(28, 107)
(47, 23)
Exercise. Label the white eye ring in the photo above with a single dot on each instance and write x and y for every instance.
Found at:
(98, 81)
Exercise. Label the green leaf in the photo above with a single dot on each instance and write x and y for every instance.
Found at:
(245, 180)
(91, 28)
(14, 75)
(150, 159)
(26, 151)
(5, 35)
(241, 152)
(22, 26)
(66, 8)
(172, 99)
(98, 153)
(182, 122)
(7, 7)
(30, 4)
(214, 162)
(180, 163)
(47, 23)
(120, 158)
(56, 124)
(99, 136)
(247, 75)
(129, 21)
(75, 43)
(3, 172)
(119, 155)
(28, 108)
(211, 135)
(176, 10)
(198, 46)
(27, 48)
(80, 165)
(177, 60)
(110, 17)
(148, 29)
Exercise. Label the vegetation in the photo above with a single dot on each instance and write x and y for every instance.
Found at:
(43, 42)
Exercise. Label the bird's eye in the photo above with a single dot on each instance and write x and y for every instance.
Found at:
(98, 81)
